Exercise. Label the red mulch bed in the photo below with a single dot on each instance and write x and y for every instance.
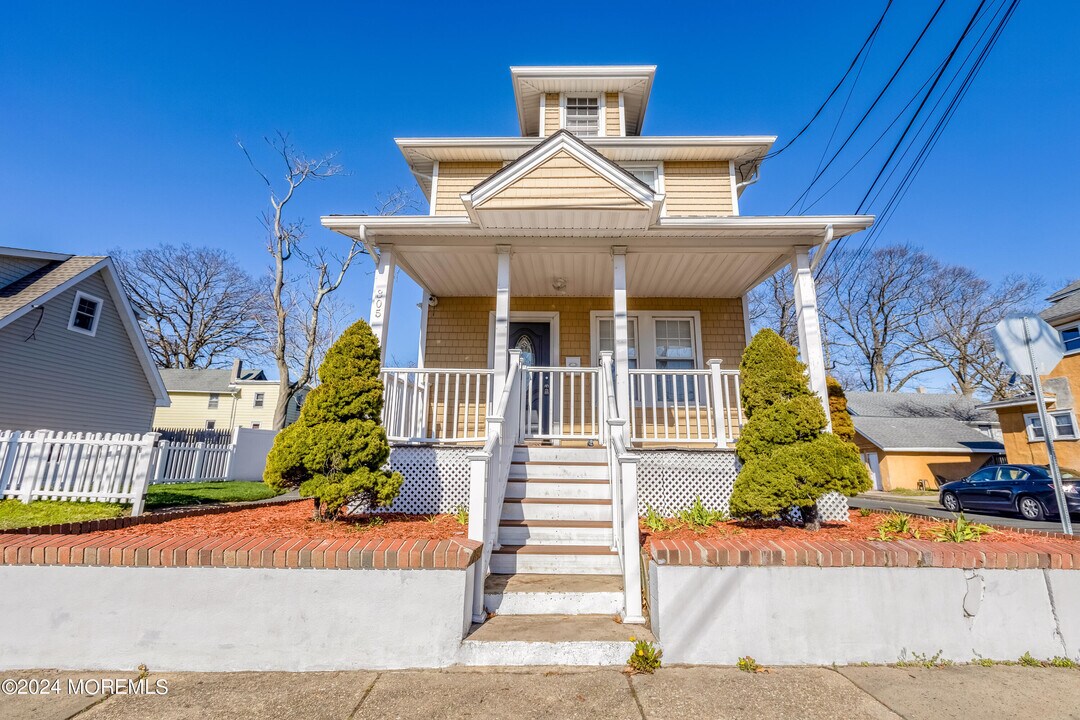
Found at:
(858, 528)
(294, 521)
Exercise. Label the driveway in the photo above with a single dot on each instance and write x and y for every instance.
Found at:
(806, 693)
(929, 507)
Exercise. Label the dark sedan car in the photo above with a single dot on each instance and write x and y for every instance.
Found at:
(1024, 489)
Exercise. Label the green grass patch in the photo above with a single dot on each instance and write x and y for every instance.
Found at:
(14, 514)
(909, 492)
(205, 493)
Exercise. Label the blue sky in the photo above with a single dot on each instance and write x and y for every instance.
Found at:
(120, 119)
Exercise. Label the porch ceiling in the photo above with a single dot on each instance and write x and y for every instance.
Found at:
(540, 273)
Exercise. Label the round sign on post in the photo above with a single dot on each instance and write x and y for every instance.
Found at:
(1012, 344)
(1031, 347)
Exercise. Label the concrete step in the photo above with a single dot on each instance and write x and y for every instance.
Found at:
(556, 560)
(540, 594)
(555, 532)
(556, 509)
(561, 454)
(558, 471)
(517, 640)
(534, 488)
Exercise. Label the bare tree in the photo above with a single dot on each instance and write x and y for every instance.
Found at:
(872, 309)
(772, 305)
(955, 333)
(198, 308)
(301, 278)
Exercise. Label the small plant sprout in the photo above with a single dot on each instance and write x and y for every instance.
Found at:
(1028, 660)
(1062, 662)
(645, 657)
(962, 530)
(898, 523)
(749, 665)
(654, 520)
(865, 512)
(925, 661)
(698, 517)
(461, 514)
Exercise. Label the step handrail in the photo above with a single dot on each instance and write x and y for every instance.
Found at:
(622, 469)
(489, 469)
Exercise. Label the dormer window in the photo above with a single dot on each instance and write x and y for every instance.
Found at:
(583, 116)
(85, 312)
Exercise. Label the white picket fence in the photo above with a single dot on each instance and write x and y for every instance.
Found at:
(191, 462)
(87, 467)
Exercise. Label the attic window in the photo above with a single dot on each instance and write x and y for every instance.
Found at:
(85, 312)
(583, 116)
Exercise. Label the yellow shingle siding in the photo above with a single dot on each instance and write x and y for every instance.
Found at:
(611, 103)
(551, 113)
(697, 189)
(565, 181)
(457, 334)
(456, 178)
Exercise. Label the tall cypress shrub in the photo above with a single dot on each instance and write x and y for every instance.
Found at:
(336, 451)
(788, 459)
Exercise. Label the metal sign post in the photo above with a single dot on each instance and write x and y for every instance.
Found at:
(1048, 434)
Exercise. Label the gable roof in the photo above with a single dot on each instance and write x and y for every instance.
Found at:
(45, 283)
(207, 380)
(918, 405)
(938, 435)
(1066, 304)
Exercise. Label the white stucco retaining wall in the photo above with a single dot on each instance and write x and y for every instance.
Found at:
(806, 615)
(226, 619)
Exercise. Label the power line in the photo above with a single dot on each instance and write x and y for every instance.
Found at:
(854, 61)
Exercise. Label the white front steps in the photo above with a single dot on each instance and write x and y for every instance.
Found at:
(553, 594)
(556, 518)
(550, 640)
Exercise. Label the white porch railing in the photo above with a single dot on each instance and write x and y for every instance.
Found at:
(561, 403)
(489, 470)
(622, 469)
(87, 467)
(436, 405)
(685, 406)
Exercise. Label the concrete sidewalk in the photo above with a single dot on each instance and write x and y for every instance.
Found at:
(803, 693)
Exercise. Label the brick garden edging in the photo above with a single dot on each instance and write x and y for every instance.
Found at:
(160, 516)
(988, 554)
(237, 552)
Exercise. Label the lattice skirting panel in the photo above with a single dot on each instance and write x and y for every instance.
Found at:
(436, 478)
(670, 480)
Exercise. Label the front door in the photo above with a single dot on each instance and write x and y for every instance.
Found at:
(533, 339)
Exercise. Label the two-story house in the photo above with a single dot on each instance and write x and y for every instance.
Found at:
(1019, 417)
(585, 315)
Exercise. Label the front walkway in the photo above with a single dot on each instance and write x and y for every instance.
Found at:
(681, 692)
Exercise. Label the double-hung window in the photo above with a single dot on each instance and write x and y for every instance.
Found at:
(1064, 425)
(675, 351)
(212, 403)
(605, 331)
(260, 399)
(583, 116)
(648, 174)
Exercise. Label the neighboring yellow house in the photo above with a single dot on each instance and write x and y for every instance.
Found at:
(920, 440)
(211, 399)
(1020, 425)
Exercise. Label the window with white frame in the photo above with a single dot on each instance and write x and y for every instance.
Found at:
(212, 403)
(583, 116)
(1064, 425)
(85, 313)
(256, 426)
(260, 399)
(675, 351)
(1071, 337)
(211, 424)
(648, 174)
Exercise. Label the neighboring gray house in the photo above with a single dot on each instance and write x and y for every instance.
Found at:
(72, 355)
(918, 440)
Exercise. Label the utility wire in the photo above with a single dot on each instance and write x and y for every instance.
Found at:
(854, 62)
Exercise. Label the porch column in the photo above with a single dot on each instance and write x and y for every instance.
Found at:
(502, 319)
(381, 292)
(622, 345)
(425, 303)
(806, 312)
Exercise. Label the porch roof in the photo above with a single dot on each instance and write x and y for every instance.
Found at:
(674, 257)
